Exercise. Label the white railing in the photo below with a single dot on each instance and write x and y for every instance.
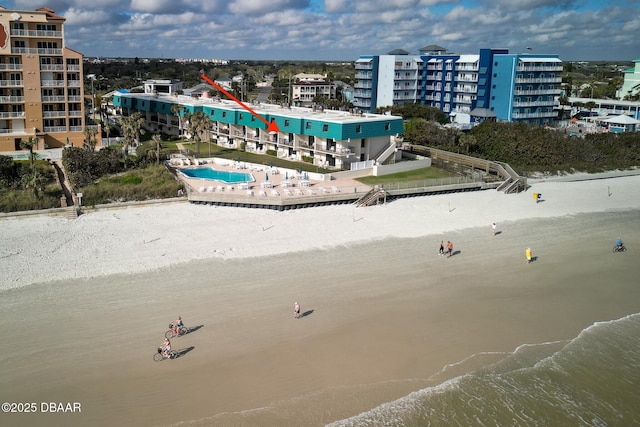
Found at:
(53, 99)
(52, 83)
(52, 67)
(55, 129)
(54, 113)
(36, 33)
(10, 66)
(9, 99)
(10, 82)
(12, 115)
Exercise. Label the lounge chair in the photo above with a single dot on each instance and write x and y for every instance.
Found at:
(274, 192)
(220, 188)
(288, 192)
(211, 189)
(249, 192)
(310, 191)
(324, 190)
(229, 187)
(263, 193)
(299, 192)
(335, 189)
(202, 189)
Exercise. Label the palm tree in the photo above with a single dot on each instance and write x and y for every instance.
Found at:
(156, 140)
(179, 110)
(131, 128)
(29, 143)
(90, 137)
(199, 123)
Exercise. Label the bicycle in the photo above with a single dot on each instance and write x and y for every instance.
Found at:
(175, 332)
(619, 248)
(160, 355)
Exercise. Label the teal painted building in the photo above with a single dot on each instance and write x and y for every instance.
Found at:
(333, 139)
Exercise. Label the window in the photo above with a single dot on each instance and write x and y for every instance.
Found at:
(224, 114)
(358, 128)
(325, 127)
(387, 126)
(241, 116)
(362, 143)
(286, 122)
(308, 125)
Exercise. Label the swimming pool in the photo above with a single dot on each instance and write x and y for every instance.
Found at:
(227, 177)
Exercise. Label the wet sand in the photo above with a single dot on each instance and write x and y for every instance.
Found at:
(381, 319)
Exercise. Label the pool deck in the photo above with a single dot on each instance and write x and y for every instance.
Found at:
(283, 189)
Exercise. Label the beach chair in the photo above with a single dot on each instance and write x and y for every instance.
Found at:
(288, 192)
(220, 188)
(249, 192)
(299, 192)
(211, 189)
(229, 187)
(324, 190)
(335, 189)
(274, 192)
(311, 192)
(263, 193)
(202, 189)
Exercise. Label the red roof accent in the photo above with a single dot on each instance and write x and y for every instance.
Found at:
(50, 13)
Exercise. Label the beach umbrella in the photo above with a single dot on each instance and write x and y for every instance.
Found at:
(238, 159)
(300, 169)
(305, 176)
(270, 164)
(266, 177)
(286, 176)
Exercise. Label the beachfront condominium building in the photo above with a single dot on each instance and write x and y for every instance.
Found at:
(327, 138)
(631, 84)
(458, 84)
(41, 81)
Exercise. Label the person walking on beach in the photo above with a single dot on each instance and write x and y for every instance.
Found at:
(296, 310)
(493, 228)
(449, 248)
(441, 251)
(528, 255)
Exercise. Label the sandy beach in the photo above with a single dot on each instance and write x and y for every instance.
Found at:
(86, 302)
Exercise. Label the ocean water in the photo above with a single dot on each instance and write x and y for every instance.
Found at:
(591, 380)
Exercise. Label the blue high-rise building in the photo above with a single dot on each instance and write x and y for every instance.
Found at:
(521, 87)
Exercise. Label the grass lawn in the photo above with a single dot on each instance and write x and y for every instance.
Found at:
(417, 176)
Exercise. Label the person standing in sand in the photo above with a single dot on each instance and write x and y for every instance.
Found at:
(296, 310)
(528, 255)
(449, 248)
(493, 228)
(441, 251)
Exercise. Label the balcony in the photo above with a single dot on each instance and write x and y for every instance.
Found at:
(10, 83)
(51, 67)
(55, 129)
(35, 51)
(520, 79)
(36, 33)
(12, 115)
(50, 114)
(471, 79)
(532, 92)
(53, 99)
(74, 83)
(74, 98)
(549, 103)
(73, 67)
(11, 99)
(10, 66)
(536, 115)
(52, 83)
(538, 68)
(75, 113)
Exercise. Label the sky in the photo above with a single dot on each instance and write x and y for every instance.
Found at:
(343, 30)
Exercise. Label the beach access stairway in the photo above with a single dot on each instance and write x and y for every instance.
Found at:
(374, 197)
(468, 165)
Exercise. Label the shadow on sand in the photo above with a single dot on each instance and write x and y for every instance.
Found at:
(184, 351)
(306, 313)
(194, 328)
